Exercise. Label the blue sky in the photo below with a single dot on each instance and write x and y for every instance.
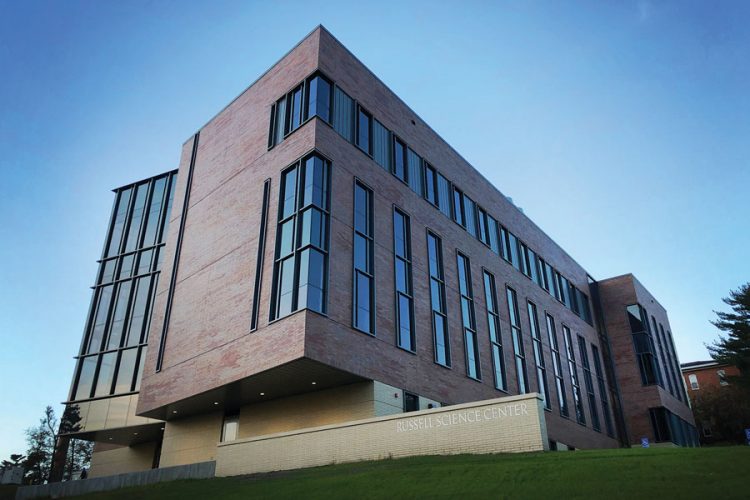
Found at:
(621, 128)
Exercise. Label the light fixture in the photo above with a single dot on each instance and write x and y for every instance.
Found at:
(262, 393)
(314, 383)
(174, 411)
(162, 428)
(135, 433)
(216, 402)
(110, 439)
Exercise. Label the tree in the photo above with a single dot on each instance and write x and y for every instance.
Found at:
(41, 442)
(726, 409)
(735, 347)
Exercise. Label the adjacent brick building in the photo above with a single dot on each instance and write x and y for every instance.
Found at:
(327, 257)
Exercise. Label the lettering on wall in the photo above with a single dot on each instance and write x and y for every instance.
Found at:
(462, 417)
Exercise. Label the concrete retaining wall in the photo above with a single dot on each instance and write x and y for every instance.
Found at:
(511, 424)
(200, 470)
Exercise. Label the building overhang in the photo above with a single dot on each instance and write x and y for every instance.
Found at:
(296, 377)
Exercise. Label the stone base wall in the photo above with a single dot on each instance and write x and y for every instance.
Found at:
(122, 459)
(504, 425)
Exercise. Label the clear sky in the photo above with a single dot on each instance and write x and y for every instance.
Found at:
(621, 128)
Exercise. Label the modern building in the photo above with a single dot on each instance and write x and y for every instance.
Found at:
(321, 256)
(711, 396)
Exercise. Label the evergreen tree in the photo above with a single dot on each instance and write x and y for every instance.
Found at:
(735, 347)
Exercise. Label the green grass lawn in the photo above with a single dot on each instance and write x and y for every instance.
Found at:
(636, 474)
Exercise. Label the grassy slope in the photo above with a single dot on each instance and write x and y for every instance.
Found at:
(631, 473)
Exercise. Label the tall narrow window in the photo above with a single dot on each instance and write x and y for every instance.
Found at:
(381, 145)
(562, 399)
(437, 300)
(482, 232)
(518, 349)
(319, 98)
(470, 216)
(602, 391)
(468, 317)
(363, 310)
(493, 234)
(230, 427)
(664, 365)
(679, 383)
(493, 325)
(404, 299)
(364, 131)
(415, 175)
(512, 254)
(343, 114)
(589, 383)
(522, 258)
(300, 266)
(399, 159)
(577, 398)
(295, 109)
(458, 207)
(430, 184)
(444, 195)
(643, 344)
(536, 339)
(259, 256)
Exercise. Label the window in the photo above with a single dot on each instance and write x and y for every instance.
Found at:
(400, 162)
(664, 365)
(643, 344)
(536, 340)
(381, 145)
(577, 398)
(557, 365)
(430, 184)
(364, 131)
(564, 290)
(518, 350)
(343, 114)
(364, 291)
(512, 243)
(722, 377)
(523, 258)
(229, 427)
(493, 325)
(469, 215)
(693, 378)
(437, 300)
(458, 207)
(415, 175)
(602, 391)
(411, 402)
(482, 231)
(467, 316)
(259, 255)
(444, 195)
(679, 384)
(493, 234)
(300, 266)
(319, 98)
(583, 352)
(122, 297)
(532, 266)
(402, 264)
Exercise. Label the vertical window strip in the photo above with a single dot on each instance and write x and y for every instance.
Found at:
(259, 256)
(583, 352)
(343, 114)
(562, 399)
(493, 325)
(363, 310)
(468, 317)
(680, 389)
(381, 138)
(536, 339)
(666, 368)
(301, 256)
(643, 344)
(415, 175)
(517, 337)
(406, 338)
(574, 382)
(669, 364)
(602, 391)
(437, 300)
